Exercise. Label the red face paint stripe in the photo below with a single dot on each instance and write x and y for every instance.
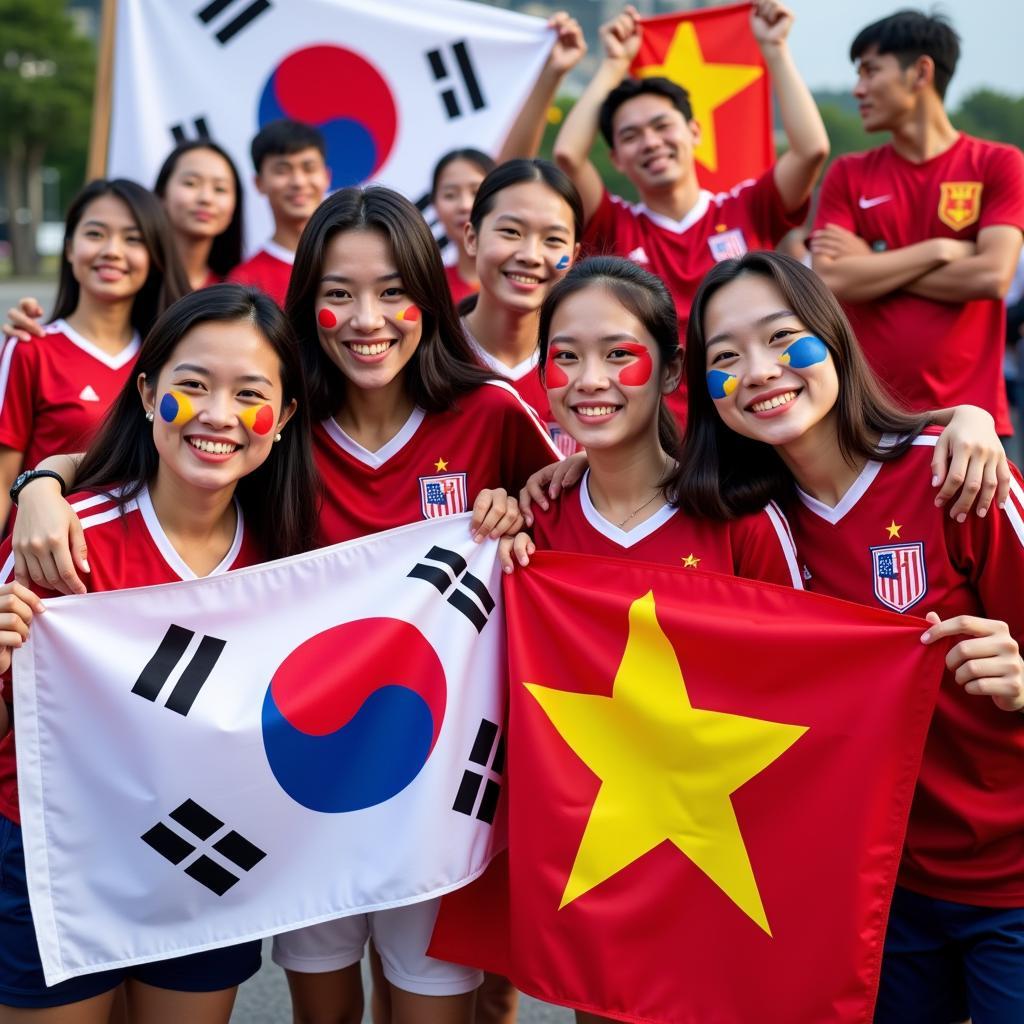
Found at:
(639, 373)
(554, 375)
(326, 318)
(410, 313)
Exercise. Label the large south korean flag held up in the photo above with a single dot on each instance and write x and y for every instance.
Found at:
(391, 84)
(232, 757)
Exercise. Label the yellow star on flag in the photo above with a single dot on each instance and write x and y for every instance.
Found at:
(440, 465)
(894, 530)
(690, 562)
(667, 769)
(709, 85)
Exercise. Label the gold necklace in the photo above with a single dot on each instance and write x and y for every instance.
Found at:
(637, 511)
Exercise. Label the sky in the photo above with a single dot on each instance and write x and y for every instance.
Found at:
(991, 41)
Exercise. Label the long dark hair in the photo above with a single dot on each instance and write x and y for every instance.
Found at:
(723, 474)
(643, 295)
(443, 366)
(519, 172)
(279, 499)
(226, 251)
(166, 281)
(476, 157)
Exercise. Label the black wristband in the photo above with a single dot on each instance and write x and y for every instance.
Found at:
(34, 474)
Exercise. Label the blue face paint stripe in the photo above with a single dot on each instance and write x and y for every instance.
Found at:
(720, 383)
(805, 352)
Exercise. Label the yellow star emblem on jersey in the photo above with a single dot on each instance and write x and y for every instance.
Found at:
(709, 85)
(894, 530)
(690, 562)
(440, 465)
(667, 769)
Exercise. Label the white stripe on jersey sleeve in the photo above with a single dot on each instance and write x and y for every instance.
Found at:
(8, 573)
(1014, 507)
(781, 524)
(108, 514)
(505, 386)
(86, 503)
(5, 367)
(926, 440)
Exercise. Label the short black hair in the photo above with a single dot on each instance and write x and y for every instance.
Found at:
(909, 34)
(477, 157)
(284, 137)
(630, 88)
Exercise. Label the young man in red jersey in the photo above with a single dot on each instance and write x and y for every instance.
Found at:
(920, 237)
(679, 230)
(292, 172)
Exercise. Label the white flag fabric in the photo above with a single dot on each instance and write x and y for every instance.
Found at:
(391, 84)
(221, 759)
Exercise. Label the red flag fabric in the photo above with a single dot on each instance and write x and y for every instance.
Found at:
(712, 53)
(708, 787)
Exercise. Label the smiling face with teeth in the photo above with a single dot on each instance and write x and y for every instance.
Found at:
(770, 377)
(209, 427)
(521, 245)
(603, 372)
(368, 325)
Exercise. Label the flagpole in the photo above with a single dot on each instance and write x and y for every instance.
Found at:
(99, 135)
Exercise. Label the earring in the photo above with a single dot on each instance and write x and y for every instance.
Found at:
(277, 437)
(149, 415)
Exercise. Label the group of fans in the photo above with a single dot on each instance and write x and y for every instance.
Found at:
(721, 400)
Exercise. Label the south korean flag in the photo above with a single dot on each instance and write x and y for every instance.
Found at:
(392, 85)
(226, 758)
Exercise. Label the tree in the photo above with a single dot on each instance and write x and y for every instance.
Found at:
(46, 82)
(992, 115)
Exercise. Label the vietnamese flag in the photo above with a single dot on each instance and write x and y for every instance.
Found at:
(708, 787)
(713, 55)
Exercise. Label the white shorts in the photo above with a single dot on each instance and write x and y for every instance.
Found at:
(401, 936)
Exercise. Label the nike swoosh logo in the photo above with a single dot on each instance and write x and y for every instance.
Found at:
(866, 204)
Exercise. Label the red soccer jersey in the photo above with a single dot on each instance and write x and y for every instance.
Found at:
(126, 549)
(886, 544)
(458, 286)
(54, 391)
(434, 466)
(681, 252)
(270, 269)
(932, 354)
(758, 547)
(525, 378)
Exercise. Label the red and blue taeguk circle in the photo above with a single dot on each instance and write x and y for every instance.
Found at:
(343, 95)
(353, 713)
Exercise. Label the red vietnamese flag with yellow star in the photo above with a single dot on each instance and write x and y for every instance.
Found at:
(712, 53)
(709, 781)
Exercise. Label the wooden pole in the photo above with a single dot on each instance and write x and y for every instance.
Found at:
(99, 136)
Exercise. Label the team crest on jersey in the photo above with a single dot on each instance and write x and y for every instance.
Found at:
(900, 576)
(443, 495)
(729, 245)
(959, 203)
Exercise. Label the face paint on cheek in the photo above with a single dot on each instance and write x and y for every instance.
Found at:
(409, 315)
(325, 318)
(259, 419)
(175, 408)
(804, 352)
(562, 263)
(639, 373)
(721, 384)
(554, 375)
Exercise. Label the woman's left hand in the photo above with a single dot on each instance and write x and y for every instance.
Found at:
(969, 459)
(495, 513)
(18, 605)
(988, 663)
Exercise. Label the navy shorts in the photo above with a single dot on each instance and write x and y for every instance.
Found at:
(945, 962)
(21, 972)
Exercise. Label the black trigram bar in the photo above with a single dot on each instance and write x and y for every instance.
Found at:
(439, 69)
(469, 787)
(232, 846)
(154, 676)
(460, 599)
(241, 20)
(180, 135)
(422, 204)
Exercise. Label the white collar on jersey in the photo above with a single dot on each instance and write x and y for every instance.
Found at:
(677, 227)
(114, 362)
(279, 252)
(375, 459)
(624, 538)
(516, 372)
(171, 556)
(856, 491)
